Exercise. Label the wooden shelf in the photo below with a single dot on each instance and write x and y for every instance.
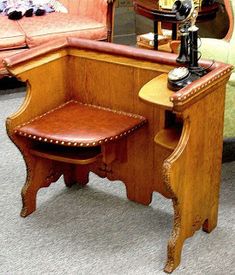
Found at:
(75, 155)
(156, 92)
(168, 138)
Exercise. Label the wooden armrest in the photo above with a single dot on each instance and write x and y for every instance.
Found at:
(157, 92)
(218, 75)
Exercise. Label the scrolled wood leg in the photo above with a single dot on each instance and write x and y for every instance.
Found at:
(174, 250)
(40, 173)
(176, 241)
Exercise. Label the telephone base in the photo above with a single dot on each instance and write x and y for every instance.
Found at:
(193, 74)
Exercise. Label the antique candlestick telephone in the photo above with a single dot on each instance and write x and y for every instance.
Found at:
(178, 78)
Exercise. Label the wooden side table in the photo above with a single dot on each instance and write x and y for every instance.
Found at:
(150, 9)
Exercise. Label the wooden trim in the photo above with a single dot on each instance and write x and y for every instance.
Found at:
(110, 19)
(229, 10)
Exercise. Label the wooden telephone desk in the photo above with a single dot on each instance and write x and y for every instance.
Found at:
(95, 106)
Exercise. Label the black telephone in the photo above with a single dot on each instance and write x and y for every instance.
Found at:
(182, 76)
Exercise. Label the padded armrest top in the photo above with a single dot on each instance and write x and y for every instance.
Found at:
(216, 69)
(77, 124)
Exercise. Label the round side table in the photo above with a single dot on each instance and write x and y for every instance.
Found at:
(150, 9)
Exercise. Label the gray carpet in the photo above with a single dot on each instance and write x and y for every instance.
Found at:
(96, 230)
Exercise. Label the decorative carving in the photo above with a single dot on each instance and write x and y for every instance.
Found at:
(166, 172)
(175, 235)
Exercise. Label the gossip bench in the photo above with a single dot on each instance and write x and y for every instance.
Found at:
(106, 108)
(91, 19)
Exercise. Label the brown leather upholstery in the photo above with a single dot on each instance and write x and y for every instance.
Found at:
(77, 124)
(216, 69)
(98, 46)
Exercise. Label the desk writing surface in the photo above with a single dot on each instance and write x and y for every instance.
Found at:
(156, 92)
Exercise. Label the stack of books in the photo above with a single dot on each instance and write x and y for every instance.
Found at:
(147, 40)
(168, 4)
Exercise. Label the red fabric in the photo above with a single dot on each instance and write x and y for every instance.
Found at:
(56, 25)
(11, 36)
(95, 9)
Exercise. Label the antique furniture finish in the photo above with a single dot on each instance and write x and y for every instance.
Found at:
(166, 142)
(150, 9)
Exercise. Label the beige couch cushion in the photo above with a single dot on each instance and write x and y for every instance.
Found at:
(11, 35)
(56, 25)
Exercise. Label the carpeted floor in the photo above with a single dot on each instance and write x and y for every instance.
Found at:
(96, 230)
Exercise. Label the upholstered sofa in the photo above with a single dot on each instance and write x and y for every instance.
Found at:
(91, 19)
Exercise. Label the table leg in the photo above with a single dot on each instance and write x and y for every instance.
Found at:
(155, 30)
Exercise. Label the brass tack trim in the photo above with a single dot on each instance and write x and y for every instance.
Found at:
(142, 122)
(182, 96)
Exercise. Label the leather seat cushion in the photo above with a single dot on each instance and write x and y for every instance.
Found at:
(11, 35)
(77, 124)
(39, 29)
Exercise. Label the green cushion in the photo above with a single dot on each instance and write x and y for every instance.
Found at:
(229, 115)
(215, 49)
(221, 50)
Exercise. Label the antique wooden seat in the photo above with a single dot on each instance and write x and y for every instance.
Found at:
(74, 132)
(69, 139)
(77, 133)
(79, 117)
